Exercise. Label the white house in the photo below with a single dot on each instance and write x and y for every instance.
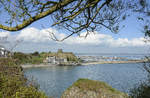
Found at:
(55, 60)
(3, 51)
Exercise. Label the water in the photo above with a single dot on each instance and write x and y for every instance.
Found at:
(54, 80)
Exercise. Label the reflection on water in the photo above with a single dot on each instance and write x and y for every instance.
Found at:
(54, 80)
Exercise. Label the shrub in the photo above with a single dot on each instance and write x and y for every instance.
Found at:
(142, 91)
(13, 83)
(36, 53)
(29, 92)
(21, 57)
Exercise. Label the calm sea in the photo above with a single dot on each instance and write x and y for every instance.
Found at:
(54, 80)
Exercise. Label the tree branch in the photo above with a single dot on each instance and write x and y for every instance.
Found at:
(37, 17)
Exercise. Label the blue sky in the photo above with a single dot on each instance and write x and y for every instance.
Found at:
(131, 30)
(35, 38)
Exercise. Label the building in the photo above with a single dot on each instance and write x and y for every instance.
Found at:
(60, 57)
(3, 51)
(55, 60)
(50, 59)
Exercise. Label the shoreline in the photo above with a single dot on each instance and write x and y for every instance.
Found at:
(82, 64)
(45, 65)
(113, 62)
(37, 65)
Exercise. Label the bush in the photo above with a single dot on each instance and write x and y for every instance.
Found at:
(29, 92)
(21, 57)
(142, 91)
(13, 83)
(36, 53)
(33, 58)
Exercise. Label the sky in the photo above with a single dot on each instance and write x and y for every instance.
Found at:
(35, 37)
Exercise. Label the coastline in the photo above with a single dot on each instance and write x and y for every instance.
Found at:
(37, 65)
(113, 62)
(82, 64)
(46, 65)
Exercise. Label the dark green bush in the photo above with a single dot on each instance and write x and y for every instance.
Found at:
(36, 53)
(142, 91)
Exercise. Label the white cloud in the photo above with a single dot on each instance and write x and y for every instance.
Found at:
(4, 34)
(94, 38)
(103, 39)
(35, 35)
(124, 42)
(4, 37)
(90, 39)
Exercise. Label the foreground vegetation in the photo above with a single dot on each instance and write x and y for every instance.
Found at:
(85, 88)
(13, 83)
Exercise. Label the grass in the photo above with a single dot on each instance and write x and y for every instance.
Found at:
(93, 85)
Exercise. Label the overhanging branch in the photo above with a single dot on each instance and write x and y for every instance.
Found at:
(37, 17)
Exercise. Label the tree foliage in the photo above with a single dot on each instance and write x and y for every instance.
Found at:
(73, 15)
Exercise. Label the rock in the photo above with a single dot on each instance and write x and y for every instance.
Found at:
(85, 88)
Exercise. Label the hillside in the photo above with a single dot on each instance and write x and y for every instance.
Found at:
(38, 58)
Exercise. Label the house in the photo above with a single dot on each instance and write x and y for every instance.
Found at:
(3, 51)
(55, 60)
(50, 59)
(60, 57)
